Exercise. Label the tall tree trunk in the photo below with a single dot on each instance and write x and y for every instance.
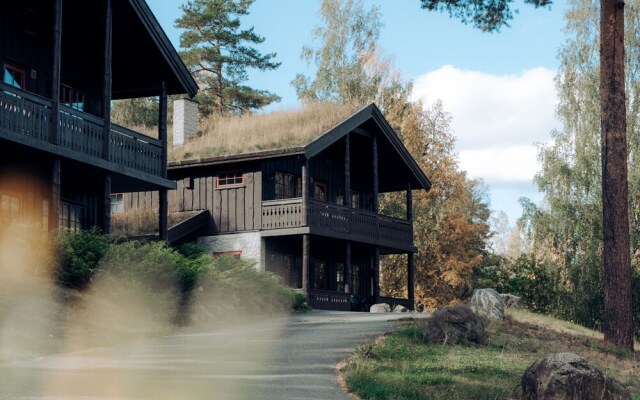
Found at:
(618, 311)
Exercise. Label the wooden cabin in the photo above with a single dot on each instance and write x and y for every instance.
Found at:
(308, 213)
(63, 62)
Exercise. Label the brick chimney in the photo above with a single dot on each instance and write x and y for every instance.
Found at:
(185, 121)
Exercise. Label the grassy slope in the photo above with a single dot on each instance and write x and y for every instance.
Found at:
(400, 366)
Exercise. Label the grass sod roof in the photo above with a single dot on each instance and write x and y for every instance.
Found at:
(276, 132)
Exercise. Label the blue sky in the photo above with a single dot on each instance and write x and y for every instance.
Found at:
(497, 87)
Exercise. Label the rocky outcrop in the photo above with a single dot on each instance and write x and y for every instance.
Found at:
(568, 376)
(380, 308)
(487, 303)
(512, 301)
(400, 308)
(453, 325)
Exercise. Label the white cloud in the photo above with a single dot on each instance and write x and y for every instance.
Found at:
(496, 118)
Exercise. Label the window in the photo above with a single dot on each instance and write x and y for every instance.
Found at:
(288, 268)
(14, 76)
(71, 97)
(9, 208)
(320, 190)
(117, 203)
(340, 277)
(287, 186)
(355, 199)
(320, 275)
(70, 216)
(234, 254)
(229, 179)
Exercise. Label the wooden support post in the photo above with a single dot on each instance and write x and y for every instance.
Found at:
(106, 205)
(163, 203)
(305, 192)
(347, 171)
(305, 263)
(376, 274)
(348, 286)
(55, 74)
(374, 168)
(410, 281)
(107, 78)
(56, 182)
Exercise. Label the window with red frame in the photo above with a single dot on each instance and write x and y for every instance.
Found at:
(234, 254)
(14, 76)
(229, 179)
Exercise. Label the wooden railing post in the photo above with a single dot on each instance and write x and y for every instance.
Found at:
(55, 72)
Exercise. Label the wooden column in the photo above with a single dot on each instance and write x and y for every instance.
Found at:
(374, 169)
(107, 78)
(305, 263)
(106, 208)
(348, 285)
(55, 73)
(163, 205)
(347, 171)
(410, 256)
(376, 274)
(410, 281)
(54, 219)
(305, 192)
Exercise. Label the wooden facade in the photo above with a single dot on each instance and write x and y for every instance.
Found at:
(62, 64)
(315, 207)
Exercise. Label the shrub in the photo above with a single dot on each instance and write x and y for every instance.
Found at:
(78, 256)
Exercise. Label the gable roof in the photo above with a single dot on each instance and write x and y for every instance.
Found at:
(313, 144)
(144, 56)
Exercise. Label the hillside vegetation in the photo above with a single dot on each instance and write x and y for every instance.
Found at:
(401, 366)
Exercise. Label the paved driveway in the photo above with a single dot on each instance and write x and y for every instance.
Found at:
(291, 357)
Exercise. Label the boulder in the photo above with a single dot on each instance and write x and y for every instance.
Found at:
(380, 308)
(487, 303)
(568, 376)
(400, 308)
(512, 301)
(453, 325)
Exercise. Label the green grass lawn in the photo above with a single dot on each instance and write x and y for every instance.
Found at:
(401, 366)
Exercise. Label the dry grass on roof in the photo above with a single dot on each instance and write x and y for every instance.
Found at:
(276, 130)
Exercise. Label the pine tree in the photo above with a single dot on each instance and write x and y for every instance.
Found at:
(218, 53)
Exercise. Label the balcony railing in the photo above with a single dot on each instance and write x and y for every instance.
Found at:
(336, 220)
(30, 115)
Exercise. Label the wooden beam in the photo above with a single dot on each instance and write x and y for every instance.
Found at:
(54, 219)
(410, 279)
(348, 286)
(347, 171)
(305, 263)
(376, 274)
(305, 191)
(163, 205)
(374, 167)
(107, 78)
(106, 205)
(55, 72)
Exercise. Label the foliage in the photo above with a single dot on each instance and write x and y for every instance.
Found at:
(136, 112)
(218, 53)
(489, 16)
(300, 303)
(401, 366)
(78, 256)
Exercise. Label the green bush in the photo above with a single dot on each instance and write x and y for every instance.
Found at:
(78, 256)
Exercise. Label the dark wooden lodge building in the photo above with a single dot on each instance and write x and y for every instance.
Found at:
(309, 213)
(62, 63)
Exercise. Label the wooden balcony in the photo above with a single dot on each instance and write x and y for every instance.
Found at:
(337, 221)
(26, 118)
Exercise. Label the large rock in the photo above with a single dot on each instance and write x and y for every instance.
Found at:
(380, 308)
(512, 301)
(400, 308)
(568, 376)
(487, 303)
(453, 325)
